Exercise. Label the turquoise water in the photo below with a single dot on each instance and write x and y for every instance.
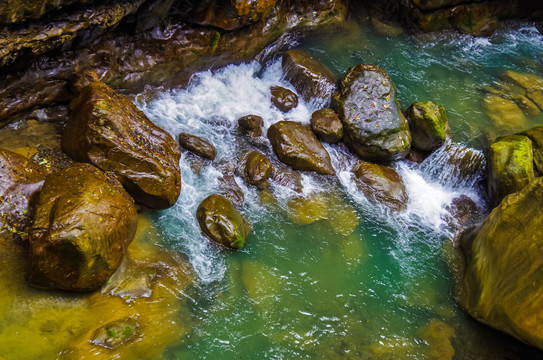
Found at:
(359, 282)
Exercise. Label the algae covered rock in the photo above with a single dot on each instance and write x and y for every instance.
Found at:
(373, 125)
(326, 125)
(501, 285)
(310, 78)
(108, 131)
(510, 166)
(222, 222)
(251, 124)
(296, 145)
(197, 146)
(84, 222)
(536, 136)
(283, 99)
(428, 125)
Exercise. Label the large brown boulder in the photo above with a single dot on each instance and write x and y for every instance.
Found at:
(197, 146)
(373, 124)
(84, 222)
(501, 285)
(310, 78)
(297, 146)
(222, 222)
(108, 131)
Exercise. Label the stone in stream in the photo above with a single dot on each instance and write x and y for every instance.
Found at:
(504, 113)
(83, 223)
(428, 125)
(501, 283)
(197, 146)
(326, 125)
(222, 222)
(373, 125)
(108, 131)
(288, 178)
(283, 99)
(510, 166)
(258, 168)
(536, 136)
(296, 145)
(251, 124)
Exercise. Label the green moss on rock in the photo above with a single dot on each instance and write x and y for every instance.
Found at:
(428, 125)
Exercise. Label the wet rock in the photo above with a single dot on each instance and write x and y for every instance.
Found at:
(373, 125)
(84, 222)
(381, 185)
(228, 185)
(326, 125)
(428, 125)
(439, 336)
(222, 222)
(505, 114)
(501, 284)
(115, 333)
(536, 136)
(296, 145)
(309, 77)
(533, 85)
(13, 12)
(510, 166)
(258, 168)
(284, 99)
(416, 156)
(512, 91)
(251, 124)
(305, 211)
(288, 178)
(386, 28)
(108, 131)
(463, 211)
(197, 146)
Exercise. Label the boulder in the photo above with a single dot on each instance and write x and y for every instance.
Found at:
(504, 113)
(531, 83)
(108, 131)
(228, 184)
(510, 166)
(258, 168)
(197, 146)
(251, 124)
(373, 125)
(309, 77)
(501, 285)
(428, 125)
(283, 99)
(381, 185)
(296, 145)
(222, 222)
(536, 136)
(288, 178)
(326, 125)
(462, 212)
(84, 222)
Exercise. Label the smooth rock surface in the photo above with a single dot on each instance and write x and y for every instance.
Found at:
(197, 146)
(428, 125)
(326, 125)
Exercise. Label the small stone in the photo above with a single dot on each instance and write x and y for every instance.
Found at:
(284, 99)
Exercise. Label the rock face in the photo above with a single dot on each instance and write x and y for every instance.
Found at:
(252, 124)
(428, 125)
(258, 168)
(197, 146)
(83, 224)
(108, 131)
(536, 136)
(373, 125)
(309, 77)
(284, 99)
(296, 145)
(510, 166)
(222, 222)
(502, 286)
(326, 125)
(381, 185)
(16, 11)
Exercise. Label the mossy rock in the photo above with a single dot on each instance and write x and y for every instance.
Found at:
(536, 136)
(283, 99)
(197, 146)
(326, 125)
(428, 125)
(510, 166)
(222, 222)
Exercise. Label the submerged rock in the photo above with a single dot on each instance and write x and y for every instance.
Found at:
(252, 124)
(428, 125)
(283, 99)
(373, 125)
(288, 178)
(501, 285)
(505, 114)
(531, 83)
(197, 146)
(108, 131)
(304, 211)
(114, 334)
(222, 222)
(83, 224)
(510, 166)
(381, 185)
(296, 145)
(326, 125)
(309, 77)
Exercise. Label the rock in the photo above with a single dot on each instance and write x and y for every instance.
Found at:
(114, 334)
(84, 222)
(252, 124)
(21, 181)
(197, 146)
(381, 185)
(284, 99)
(108, 131)
(501, 285)
(228, 185)
(505, 114)
(222, 222)
(326, 125)
(428, 125)
(462, 211)
(386, 28)
(309, 77)
(373, 125)
(258, 168)
(288, 178)
(510, 166)
(416, 156)
(533, 85)
(305, 211)
(536, 136)
(296, 145)
(24, 10)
